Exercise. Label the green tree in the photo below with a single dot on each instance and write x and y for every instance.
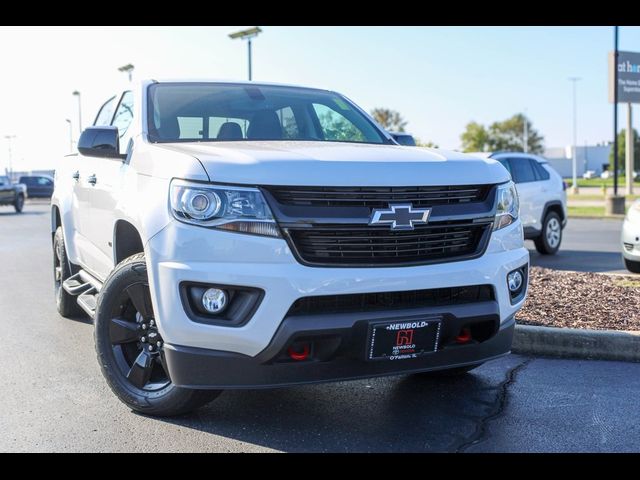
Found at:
(389, 119)
(475, 138)
(509, 135)
(428, 144)
(505, 135)
(622, 149)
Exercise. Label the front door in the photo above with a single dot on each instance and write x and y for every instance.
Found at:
(109, 187)
(85, 180)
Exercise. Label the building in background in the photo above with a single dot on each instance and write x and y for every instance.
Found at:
(590, 157)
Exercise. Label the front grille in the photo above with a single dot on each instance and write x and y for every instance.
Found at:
(628, 246)
(378, 197)
(361, 245)
(368, 302)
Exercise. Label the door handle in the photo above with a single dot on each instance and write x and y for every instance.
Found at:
(92, 179)
(76, 176)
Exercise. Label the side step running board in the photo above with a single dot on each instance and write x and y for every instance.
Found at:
(87, 302)
(85, 287)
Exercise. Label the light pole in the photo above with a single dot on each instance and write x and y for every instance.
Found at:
(9, 138)
(525, 133)
(574, 187)
(247, 35)
(614, 204)
(70, 135)
(76, 93)
(615, 111)
(128, 69)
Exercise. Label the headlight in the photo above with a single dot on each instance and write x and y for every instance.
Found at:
(508, 207)
(238, 209)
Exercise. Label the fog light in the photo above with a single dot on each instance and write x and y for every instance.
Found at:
(515, 280)
(214, 300)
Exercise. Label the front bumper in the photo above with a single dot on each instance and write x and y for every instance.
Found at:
(631, 237)
(183, 253)
(345, 336)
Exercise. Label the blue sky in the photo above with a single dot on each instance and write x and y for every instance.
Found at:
(439, 78)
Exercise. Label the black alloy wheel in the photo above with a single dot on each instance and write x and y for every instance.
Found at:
(136, 342)
(130, 347)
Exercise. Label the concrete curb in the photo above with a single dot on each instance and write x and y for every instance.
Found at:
(577, 343)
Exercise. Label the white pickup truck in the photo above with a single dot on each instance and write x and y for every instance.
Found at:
(245, 235)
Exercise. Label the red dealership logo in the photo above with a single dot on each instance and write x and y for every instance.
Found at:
(404, 337)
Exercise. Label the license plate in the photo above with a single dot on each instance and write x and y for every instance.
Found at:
(403, 340)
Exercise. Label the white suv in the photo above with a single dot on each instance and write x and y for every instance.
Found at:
(630, 238)
(244, 235)
(543, 197)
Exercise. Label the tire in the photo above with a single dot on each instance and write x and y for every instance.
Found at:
(449, 372)
(548, 243)
(632, 266)
(66, 304)
(125, 332)
(19, 203)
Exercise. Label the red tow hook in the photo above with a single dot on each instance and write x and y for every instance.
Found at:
(300, 353)
(464, 336)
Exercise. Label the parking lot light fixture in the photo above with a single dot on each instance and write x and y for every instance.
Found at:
(76, 93)
(70, 135)
(128, 69)
(247, 35)
(574, 161)
(9, 139)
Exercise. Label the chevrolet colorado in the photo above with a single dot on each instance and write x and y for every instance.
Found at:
(229, 235)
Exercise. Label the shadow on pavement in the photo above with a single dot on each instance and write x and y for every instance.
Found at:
(12, 213)
(581, 261)
(408, 413)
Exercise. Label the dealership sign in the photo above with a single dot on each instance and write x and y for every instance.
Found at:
(628, 77)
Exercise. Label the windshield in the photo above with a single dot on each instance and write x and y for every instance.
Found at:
(208, 112)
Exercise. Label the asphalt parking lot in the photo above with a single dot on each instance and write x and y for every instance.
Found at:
(588, 245)
(54, 397)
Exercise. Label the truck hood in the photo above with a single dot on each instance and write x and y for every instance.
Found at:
(337, 164)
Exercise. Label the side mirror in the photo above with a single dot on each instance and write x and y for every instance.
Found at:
(100, 142)
(403, 139)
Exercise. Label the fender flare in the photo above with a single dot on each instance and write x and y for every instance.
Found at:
(555, 203)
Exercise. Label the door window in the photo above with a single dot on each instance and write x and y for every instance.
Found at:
(190, 127)
(288, 123)
(106, 113)
(522, 170)
(124, 114)
(505, 163)
(541, 172)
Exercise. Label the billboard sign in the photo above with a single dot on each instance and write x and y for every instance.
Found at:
(628, 77)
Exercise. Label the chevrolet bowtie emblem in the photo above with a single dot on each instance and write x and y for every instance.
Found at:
(400, 216)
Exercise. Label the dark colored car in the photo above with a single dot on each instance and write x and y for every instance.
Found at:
(38, 186)
(12, 193)
(405, 139)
